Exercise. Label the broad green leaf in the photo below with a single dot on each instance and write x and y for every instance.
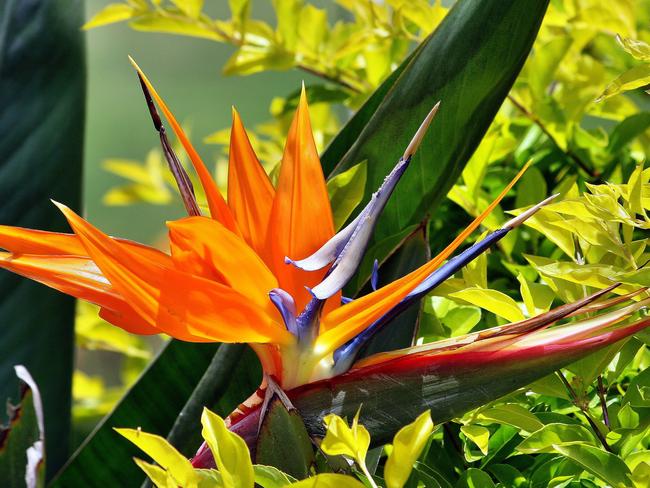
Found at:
(155, 402)
(283, 441)
(42, 95)
(627, 417)
(468, 64)
(230, 452)
(479, 435)
(531, 189)
(271, 477)
(430, 477)
(340, 439)
(22, 439)
(491, 300)
(114, 12)
(602, 464)
(328, 480)
(164, 454)
(346, 191)
(512, 414)
(475, 478)
(549, 435)
(631, 79)
(508, 475)
(461, 319)
(407, 447)
(627, 130)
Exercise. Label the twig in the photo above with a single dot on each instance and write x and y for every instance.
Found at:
(573, 156)
(585, 411)
(603, 401)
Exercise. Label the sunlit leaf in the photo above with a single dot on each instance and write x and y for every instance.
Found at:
(346, 191)
(114, 12)
(549, 435)
(407, 447)
(493, 301)
(602, 464)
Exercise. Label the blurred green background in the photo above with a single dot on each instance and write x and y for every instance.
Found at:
(186, 71)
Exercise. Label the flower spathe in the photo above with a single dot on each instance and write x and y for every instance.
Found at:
(265, 267)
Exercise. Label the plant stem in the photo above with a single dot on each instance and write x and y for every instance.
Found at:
(603, 401)
(364, 468)
(534, 119)
(585, 411)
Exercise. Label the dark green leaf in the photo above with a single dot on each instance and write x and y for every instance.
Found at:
(22, 460)
(154, 404)
(627, 130)
(475, 478)
(283, 441)
(602, 464)
(469, 64)
(42, 95)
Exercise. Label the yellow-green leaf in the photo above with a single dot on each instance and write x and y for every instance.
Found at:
(346, 191)
(229, 450)
(638, 49)
(174, 25)
(112, 13)
(191, 8)
(328, 480)
(340, 439)
(407, 447)
(164, 454)
(479, 435)
(158, 476)
(631, 79)
(491, 300)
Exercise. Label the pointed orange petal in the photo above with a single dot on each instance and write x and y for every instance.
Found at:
(204, 247)
(344, 323)
(301, 218)
(218, 208)
(19, 240)
(182, 305)
(250, 193)
(75, 276)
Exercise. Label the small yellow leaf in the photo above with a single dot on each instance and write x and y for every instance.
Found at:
(158, 476)
(164, 454)
(229, 450)
(479, 435)
(343, 440)
(191, 8)
(407, 447)
(631, 79)
(112, 13)
(346, 192)
(328, 480)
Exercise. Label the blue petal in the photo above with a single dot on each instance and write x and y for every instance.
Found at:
(374, 277)
(284, 302)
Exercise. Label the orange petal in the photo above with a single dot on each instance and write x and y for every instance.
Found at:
(346, 322)
(250, 193)
(218, 208)
(301, 218)
(78, 277)
(180, 304)
(204, 247)
(19, 240)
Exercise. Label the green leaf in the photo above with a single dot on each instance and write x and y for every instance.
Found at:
(407, 447)
(633, 78)
(627, 417)
(638, 49)
(475, 478)
(283, 441)
(512, 414)
(545, 438)
(346, 191)
(271, 477)
(164, 454)
(112, 13)
(491, 300)
(626, 130)
(602, 464)
(468, 64)
(229, 450)
(154, 404)
(191, 8)
(42, 95)
(328, 480)
(22, 456)
(155, 22)
(340, 439)
(479, 435)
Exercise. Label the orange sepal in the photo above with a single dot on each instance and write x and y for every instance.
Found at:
(204, 247)
(184, 306)
(218, 207)
(250, 192)
(301, 217)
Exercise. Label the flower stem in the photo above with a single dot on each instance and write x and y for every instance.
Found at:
(364, 468)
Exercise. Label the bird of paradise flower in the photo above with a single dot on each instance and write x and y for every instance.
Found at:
(267, 268)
